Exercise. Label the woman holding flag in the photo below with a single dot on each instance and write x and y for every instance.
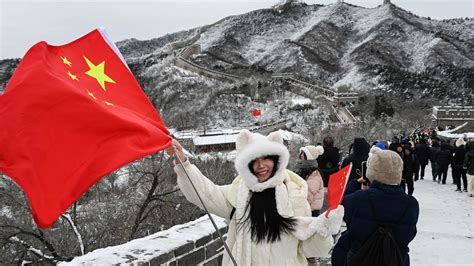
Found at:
(269, 217)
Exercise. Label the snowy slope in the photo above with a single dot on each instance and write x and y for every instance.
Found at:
(374, 50)
(339, 39)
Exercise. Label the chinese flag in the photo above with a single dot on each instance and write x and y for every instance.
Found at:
(70, 115)
(336, 187)
(256, 112)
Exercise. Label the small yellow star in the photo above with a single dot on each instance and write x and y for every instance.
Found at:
(91, 94)
(97, 72)
(108, 103)
(72, 76)
(66, 61)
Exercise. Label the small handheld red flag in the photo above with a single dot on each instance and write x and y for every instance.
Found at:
(336, 187)
(70, 115)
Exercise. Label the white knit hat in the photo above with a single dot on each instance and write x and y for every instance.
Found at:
(312, 152)
(385, 166)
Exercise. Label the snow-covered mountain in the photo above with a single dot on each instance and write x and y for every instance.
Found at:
(340, 46)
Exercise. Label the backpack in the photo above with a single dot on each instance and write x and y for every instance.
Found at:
(381, 248)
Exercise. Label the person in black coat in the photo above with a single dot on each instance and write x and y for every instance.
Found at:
(422, 151)
(329, 161)
(469, 166)
(398, 148)
(443, 160)
(458, 160)
(394, 143)
(410, 167)
(391, 205)
(358, 158)
(434, 166)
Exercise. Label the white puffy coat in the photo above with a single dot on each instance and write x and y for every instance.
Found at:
(310, 239)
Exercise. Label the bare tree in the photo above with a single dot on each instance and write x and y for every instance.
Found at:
(152, 169)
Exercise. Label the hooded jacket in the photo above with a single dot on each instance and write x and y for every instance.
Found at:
(329, 163)
(469, 158)
(444, 156)
(434, 150)
(459, 155)
(391, 205)
(311, 237)
(410, 164)
(422, 152)
(360, 153)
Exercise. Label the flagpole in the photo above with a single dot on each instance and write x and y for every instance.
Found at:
(208, 213)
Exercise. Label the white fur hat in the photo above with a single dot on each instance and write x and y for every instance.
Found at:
(385, 166)
(460, 142)
(253, 145)
(312, 152)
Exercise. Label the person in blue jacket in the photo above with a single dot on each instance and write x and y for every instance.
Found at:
(391, 205)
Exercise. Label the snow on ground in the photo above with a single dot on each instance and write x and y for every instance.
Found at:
(445, 226)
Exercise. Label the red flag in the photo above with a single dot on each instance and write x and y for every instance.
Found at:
(256, 112)
(336, 187)
(70, 115)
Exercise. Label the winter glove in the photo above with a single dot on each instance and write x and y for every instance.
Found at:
(325, 227)
(334, 221)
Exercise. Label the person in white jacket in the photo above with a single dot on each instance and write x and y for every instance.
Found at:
(271, 221)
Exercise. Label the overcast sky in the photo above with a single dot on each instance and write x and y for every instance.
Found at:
(24, 23)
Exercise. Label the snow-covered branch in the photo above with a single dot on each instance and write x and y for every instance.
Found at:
(68, 218)
(36, 251)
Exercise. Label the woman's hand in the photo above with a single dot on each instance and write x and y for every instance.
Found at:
(176, 148)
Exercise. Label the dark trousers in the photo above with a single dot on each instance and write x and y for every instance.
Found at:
(408, 183)
(434, 171)
(422, 170)
(458, 175)
(443, 172)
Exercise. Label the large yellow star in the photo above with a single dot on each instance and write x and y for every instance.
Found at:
(97, 72)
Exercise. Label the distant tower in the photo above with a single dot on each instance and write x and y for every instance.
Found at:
(386, 2)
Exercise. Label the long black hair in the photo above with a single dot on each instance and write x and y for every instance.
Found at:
(266, 224)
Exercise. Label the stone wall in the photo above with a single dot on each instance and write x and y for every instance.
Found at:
(193, 243)
(188, 65)
(206, 251)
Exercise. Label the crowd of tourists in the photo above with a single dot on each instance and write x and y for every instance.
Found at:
(276, 215)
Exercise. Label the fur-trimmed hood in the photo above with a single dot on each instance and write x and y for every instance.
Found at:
(251, 146)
